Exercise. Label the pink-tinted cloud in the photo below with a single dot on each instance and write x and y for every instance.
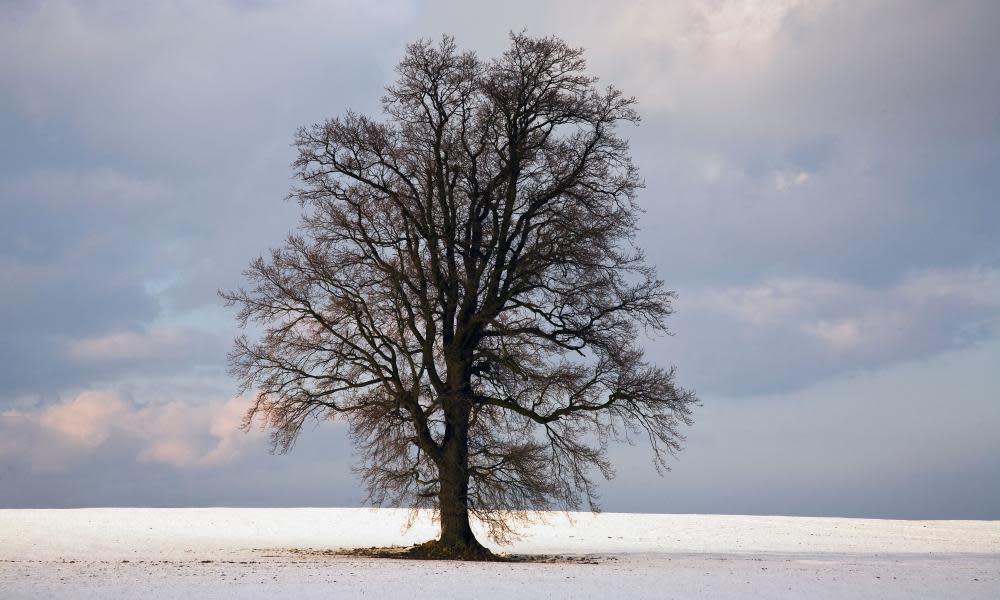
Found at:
(86, 420)
(179, 434)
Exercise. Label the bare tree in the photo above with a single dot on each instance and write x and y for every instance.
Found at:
(464, 290)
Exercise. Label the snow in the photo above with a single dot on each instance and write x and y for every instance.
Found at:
(226, 552)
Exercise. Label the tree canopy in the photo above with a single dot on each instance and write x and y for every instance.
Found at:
(465, 290)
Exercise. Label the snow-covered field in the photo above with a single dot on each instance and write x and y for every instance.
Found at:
(261, 553)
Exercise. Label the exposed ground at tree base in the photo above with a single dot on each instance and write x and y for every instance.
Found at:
(431, 551)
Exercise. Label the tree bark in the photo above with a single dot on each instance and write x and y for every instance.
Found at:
(453, 494)
(453, 498)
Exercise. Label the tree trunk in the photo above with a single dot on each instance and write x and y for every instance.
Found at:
(454, 506)
(453, 495)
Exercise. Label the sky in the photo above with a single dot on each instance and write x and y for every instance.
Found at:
(822, 192)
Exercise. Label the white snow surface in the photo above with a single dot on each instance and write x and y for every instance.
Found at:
(257, 553)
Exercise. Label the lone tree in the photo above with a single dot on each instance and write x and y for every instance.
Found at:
(465, 292)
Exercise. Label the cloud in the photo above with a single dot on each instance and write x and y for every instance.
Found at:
(784, 180)
(781, 334)
(199, 100)
(692, 51)
(821, 184)
(79, 246)
(851, 315)
(807, 138)
(126, 76)
(178, 434)
(178, 446)
(159, 343)
(913, 440)
(86, 254)
(775, 69)
(85, 420)
(842, 333)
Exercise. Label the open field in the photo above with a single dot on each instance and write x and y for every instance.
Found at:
(221, 552)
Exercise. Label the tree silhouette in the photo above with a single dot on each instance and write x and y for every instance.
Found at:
(464, 290)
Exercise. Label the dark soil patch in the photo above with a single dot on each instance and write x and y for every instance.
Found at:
(432, 551)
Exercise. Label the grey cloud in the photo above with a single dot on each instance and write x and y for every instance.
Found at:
(915, 441)
(887, 109)
(890, 119)
(151, 143)
(79, 253)
(784, 334)
(203, 97)
(106, 448)
(892, 444)
(177, 86)
(852, 146)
